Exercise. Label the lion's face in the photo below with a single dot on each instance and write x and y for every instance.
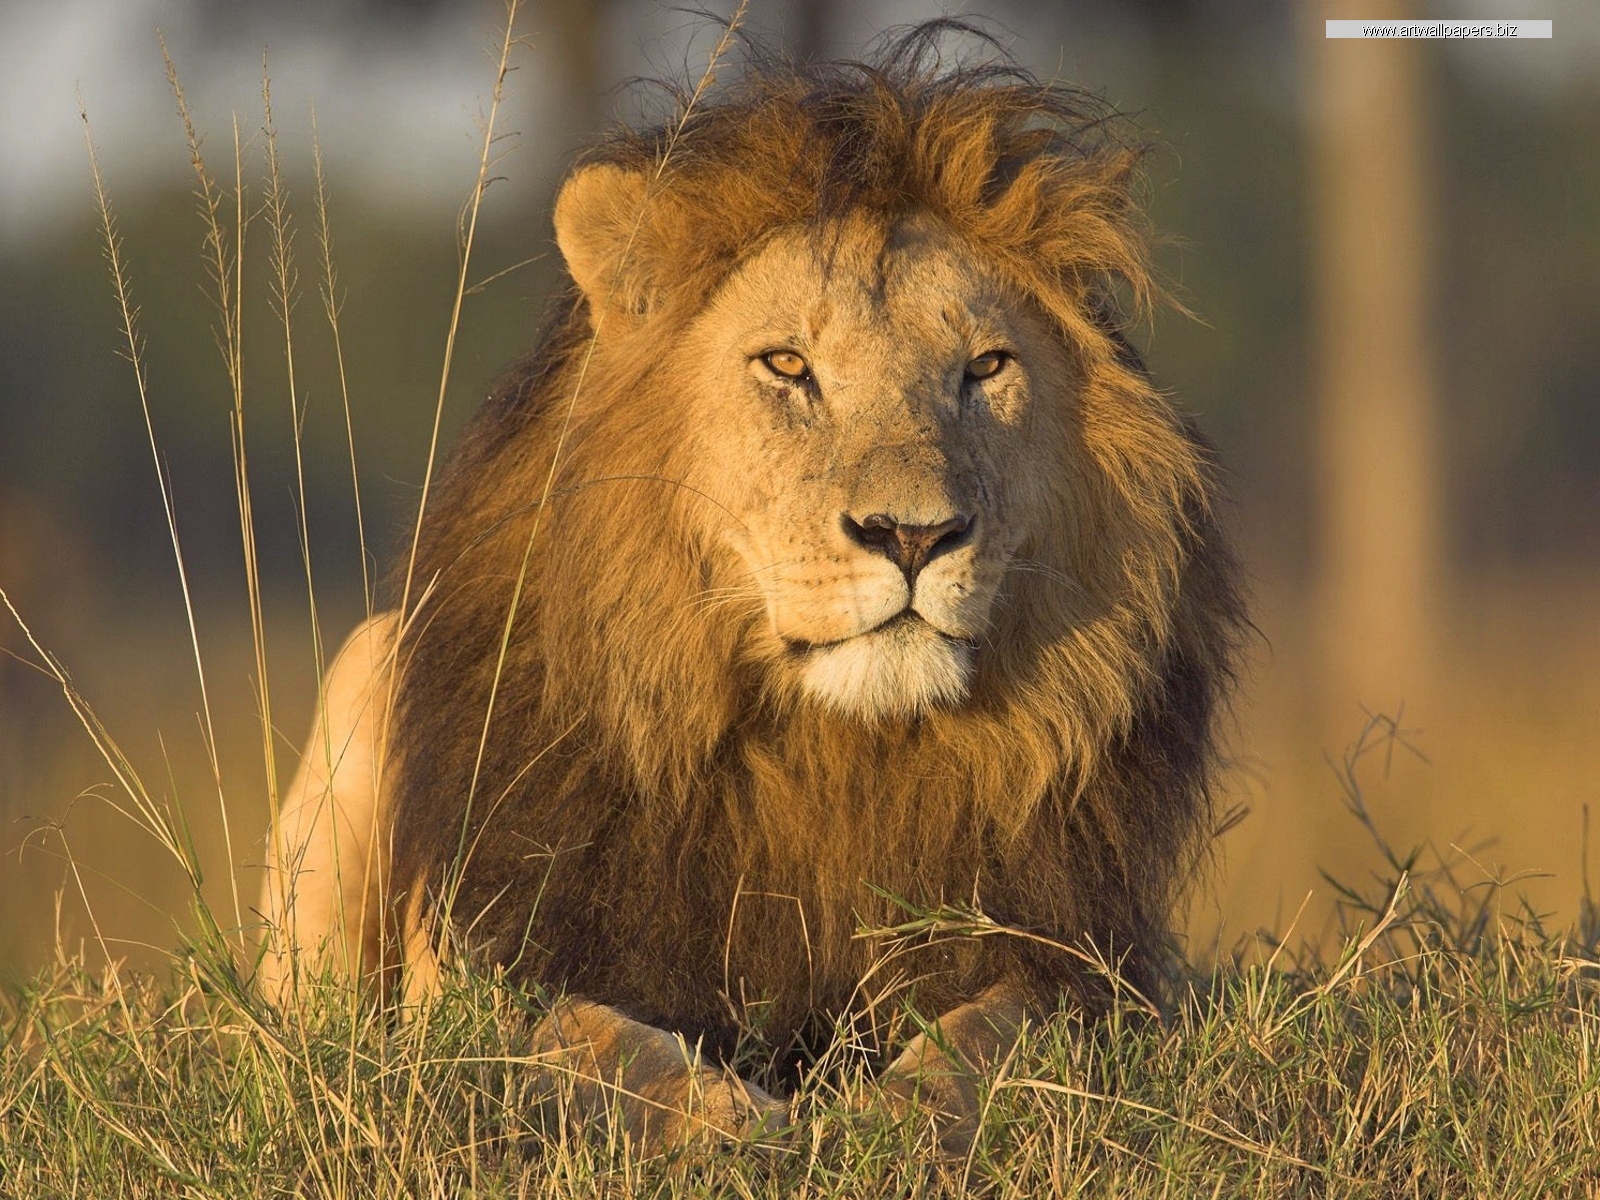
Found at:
(874, 417)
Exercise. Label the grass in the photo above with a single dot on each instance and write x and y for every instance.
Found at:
(1449, 1050)
(1452, 1048)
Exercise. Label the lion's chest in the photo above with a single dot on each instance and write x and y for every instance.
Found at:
(751, 903)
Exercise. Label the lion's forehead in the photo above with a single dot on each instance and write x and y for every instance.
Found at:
(895, 297)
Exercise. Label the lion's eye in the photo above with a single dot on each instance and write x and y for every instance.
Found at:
(986, 365)
(786, 363)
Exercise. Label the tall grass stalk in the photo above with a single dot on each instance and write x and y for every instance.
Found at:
(469, 228)
(284, 294)
(332, 303)
(167, 828)
(224, 261)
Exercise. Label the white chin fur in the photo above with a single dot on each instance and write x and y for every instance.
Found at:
(897, 672)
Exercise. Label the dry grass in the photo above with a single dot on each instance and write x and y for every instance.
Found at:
(1442, 1054)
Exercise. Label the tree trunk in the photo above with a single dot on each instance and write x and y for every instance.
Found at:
(1379, 556)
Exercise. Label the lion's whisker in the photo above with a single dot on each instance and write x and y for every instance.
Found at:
(1031, 566)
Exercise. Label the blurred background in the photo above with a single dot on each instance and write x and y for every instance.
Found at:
(1393, 251)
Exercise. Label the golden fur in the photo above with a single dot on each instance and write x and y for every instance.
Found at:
(675, 721)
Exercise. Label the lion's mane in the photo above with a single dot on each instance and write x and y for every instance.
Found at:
(642, 821)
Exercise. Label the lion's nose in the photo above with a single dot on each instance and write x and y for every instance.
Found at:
(909, 547)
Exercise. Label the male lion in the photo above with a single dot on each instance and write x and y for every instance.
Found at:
(831, 548)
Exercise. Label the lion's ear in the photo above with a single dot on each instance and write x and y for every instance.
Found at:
(600, 229)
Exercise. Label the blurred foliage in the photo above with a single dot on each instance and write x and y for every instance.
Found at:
(74, 440)
(1516, 303)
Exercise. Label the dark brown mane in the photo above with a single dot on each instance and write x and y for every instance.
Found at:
(640, 821)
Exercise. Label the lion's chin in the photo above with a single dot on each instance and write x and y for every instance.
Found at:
(900, 670)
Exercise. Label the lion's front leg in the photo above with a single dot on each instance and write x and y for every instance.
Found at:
(649, 1080)
(327, 853)
(938, 1071)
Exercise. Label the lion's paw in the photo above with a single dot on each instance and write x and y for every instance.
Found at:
(928, 1086)
(718, 1106)
(648, 1084)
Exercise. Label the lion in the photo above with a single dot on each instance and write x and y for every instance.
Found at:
(831, 555)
